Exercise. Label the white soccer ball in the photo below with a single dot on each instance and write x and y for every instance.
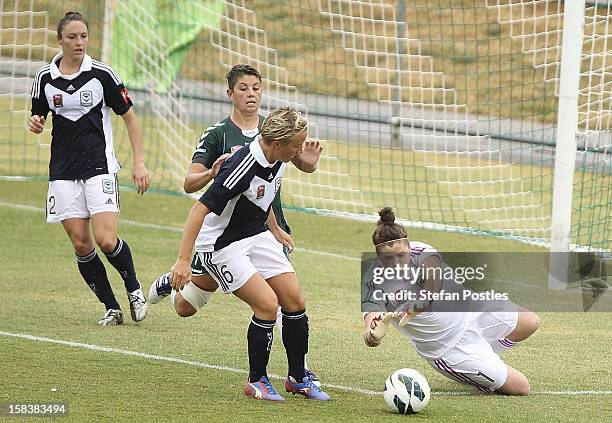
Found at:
(406, 391)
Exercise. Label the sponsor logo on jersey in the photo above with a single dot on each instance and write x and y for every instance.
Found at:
(86, 98)
(109, 201)
(70, 88)
(58, 101)
(235, 148)
(270, 176)
(261, 191)
(126, 97)
(107, 186)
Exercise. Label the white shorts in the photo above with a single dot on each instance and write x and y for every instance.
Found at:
(472, 361)
(233, 265)
(82, 197)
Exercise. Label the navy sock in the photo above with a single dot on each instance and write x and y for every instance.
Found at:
(259, 337)
(121, 259)
(93, 271)
(295, 340)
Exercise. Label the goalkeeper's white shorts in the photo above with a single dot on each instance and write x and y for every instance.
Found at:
(233, 265)
(472, 360)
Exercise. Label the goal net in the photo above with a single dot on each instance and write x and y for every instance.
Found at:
(447, 111)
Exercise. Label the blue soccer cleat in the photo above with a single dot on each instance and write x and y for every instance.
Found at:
(314, 378)
(306, 388)
(262, 390)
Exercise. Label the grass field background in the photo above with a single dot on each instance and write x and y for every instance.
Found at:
(44, 296)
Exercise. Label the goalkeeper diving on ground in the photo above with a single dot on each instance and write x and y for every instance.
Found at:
(463, 345)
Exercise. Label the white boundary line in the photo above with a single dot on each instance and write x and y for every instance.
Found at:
(344, 388)
(173, 229)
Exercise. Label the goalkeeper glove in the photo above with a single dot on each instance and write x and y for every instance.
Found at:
(377, 330)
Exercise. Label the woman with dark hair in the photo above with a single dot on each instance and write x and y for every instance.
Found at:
(463, 346)
(80, 93)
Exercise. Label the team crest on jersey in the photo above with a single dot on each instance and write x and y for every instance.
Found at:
(86, 98)
(277, 185)
(261, 191)
(58, 101)
(235, 148)
(107, 186)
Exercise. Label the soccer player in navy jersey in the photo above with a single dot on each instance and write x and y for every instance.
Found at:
(241, 127)
(244, 258)
(80, 93)
(463, 346)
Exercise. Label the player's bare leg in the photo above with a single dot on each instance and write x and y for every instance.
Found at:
(186, 307)
(187, 301)
(516, 383)
(527, 323)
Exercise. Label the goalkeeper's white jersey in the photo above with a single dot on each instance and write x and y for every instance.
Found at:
(432, 333)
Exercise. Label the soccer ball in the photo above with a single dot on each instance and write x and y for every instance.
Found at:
(406, 391)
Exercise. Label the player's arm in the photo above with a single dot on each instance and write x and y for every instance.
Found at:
(117, 98)
(40, 107)
(205, 162)
(280, 235)
(307, 160)
(375, 327)
(198, 175)
(181, 271)
(140, 174)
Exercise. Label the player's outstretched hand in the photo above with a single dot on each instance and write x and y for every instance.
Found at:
(217, 164)
(311, 152)
(36, 124)
(180, 274)
(378, 329)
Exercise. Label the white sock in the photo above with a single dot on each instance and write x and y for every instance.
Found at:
(502, 345)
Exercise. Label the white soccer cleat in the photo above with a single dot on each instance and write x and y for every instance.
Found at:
(112, 317)
(160, 289)
(138, 305)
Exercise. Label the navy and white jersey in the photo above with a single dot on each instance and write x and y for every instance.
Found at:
(239, 198)
(226, 137)
(82, 138)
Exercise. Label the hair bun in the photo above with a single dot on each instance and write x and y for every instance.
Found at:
(71, 13)
(386, 216)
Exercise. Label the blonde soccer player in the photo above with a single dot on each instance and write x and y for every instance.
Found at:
(228, 228)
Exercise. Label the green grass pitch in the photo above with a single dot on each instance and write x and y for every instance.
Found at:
(43, 295)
